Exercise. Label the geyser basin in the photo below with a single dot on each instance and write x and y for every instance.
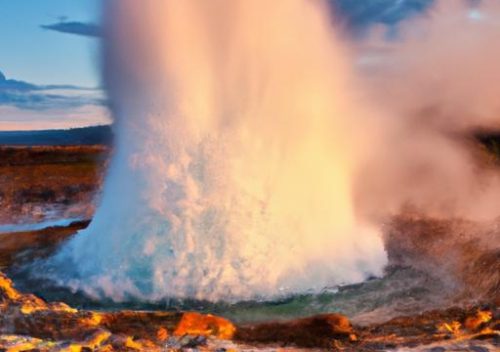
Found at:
(232, 176)
(401, 292)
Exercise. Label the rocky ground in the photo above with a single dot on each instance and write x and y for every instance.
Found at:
(39, 183)
(28, 323)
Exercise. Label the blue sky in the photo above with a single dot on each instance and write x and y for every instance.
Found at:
(46, 70)
(36, 55)
(45, 75)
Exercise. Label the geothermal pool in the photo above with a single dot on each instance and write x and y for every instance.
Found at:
(401, 292)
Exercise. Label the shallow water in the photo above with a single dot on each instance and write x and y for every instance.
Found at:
(36, 226)
(402, 291)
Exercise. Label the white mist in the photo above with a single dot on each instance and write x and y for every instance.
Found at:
(237, 146)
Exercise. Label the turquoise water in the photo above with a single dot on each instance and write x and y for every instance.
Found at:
(401, 291)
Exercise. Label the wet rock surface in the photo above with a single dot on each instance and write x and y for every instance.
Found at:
(21, 247)
(470, 263)
(26, 320)
(28, 323)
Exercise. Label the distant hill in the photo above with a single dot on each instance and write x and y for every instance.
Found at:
(74, 136)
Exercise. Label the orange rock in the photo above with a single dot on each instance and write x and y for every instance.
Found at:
(12, 343)
(73, 347)
(130, 343)
(472, 323)
(206, 325)
(62, 307)
(162, 334)
(105, 348)
(450, 328)
(7, 291)
(141, 345)
(9, 296)
(93, 319)
(29, 304)
(96, 338)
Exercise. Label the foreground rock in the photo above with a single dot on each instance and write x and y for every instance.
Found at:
(435, 328)
(56, 326)
(324, 330)
(29, 323)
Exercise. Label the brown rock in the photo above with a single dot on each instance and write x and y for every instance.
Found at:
(140, 324)
(26, 314)
(317, 331)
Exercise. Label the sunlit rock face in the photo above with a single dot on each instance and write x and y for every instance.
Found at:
(27, 322)
(236, 149)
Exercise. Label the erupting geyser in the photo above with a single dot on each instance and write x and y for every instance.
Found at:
(235, 155)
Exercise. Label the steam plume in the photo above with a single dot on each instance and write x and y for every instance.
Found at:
(236, 152)
(251, 160)
(438, 83)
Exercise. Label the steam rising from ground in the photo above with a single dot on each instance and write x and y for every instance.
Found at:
(439, 83)
(233, 173)
(250, 161)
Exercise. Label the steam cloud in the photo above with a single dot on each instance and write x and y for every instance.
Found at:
(438, 84)
(254, 159)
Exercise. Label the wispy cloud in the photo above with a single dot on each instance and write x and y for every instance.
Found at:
(29, 96)
(75, 27)
(25, 105)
